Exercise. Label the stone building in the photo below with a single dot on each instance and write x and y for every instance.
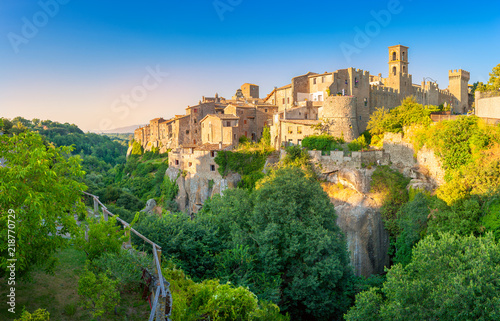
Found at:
(363, 93)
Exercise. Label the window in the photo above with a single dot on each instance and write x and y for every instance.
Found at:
(394, 70)
(393, 55)
(290, 129)
(228, 124)
(359, 117)
(314, 81)
(283, 101)
(245, 121)
(234, 136)
(196, 131)
(212, 168)
(187, 132)
(194, 121)
(305, 115)
(212, 154)
(176, 162)
(265, 110)
(404, 69)
(355, 82)
(245, 133)
(323, 79)
(299, 129)
(194, 141)
(366, 101)
(195, 110)
(288, 100)
(403, 55)
(299, 142)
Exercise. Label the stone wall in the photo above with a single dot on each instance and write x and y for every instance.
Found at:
(487, 107)
(340, 159)
(402, 156)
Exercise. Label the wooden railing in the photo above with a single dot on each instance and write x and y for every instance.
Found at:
(161, 309)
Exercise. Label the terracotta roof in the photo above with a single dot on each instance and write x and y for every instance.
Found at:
(210, 147)
(284, 87)
(221, 116)
(307, 122)
(318, 75)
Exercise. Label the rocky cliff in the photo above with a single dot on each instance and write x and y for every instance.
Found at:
(194, 190)
(358, 215)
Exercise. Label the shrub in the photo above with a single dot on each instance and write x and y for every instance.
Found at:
(322, 142)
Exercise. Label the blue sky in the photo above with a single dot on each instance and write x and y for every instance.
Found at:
(83, 57)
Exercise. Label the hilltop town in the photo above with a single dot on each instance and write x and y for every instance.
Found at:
(344, 99)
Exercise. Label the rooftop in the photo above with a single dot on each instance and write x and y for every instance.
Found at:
(307, 122)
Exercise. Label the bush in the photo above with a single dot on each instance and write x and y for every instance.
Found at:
(99, 292)
(124, 266)
(103, 237)
(358, 144)
(38, 315)
(322, 142)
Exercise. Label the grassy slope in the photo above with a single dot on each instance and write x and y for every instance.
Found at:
(58, 294)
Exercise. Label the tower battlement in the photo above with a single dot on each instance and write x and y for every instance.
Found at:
(465, 75)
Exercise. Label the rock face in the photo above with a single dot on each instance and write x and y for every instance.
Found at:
(358, 215)
(367, 240)
(194, 190)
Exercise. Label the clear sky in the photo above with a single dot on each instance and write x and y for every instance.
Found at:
(108, 64)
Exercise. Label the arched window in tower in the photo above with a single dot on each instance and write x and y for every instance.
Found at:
(394, 70)
(404, 69)
(403, 56)
(393, 55)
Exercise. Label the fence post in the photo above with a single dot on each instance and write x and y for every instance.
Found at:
(96, 207)
(105, 214)
(128, 242)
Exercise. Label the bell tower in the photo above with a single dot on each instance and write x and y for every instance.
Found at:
(398, 60)
(399, 77)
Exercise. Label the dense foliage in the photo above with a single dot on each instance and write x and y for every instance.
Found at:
(322, 142)
(248, 163)
(408, 113)
(281, 243)
(39, 195)
(449, 278)
(391, 186)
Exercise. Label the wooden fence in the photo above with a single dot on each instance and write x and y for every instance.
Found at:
(161, 308)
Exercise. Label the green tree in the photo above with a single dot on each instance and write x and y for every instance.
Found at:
(266, 136)
(494, 81)
(295, 237)
(449, 278)
(137, 148)
(99, 292)
(103, 237)
(39, 195)
(378, 122)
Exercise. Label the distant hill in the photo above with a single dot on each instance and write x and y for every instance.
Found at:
(121, 130)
